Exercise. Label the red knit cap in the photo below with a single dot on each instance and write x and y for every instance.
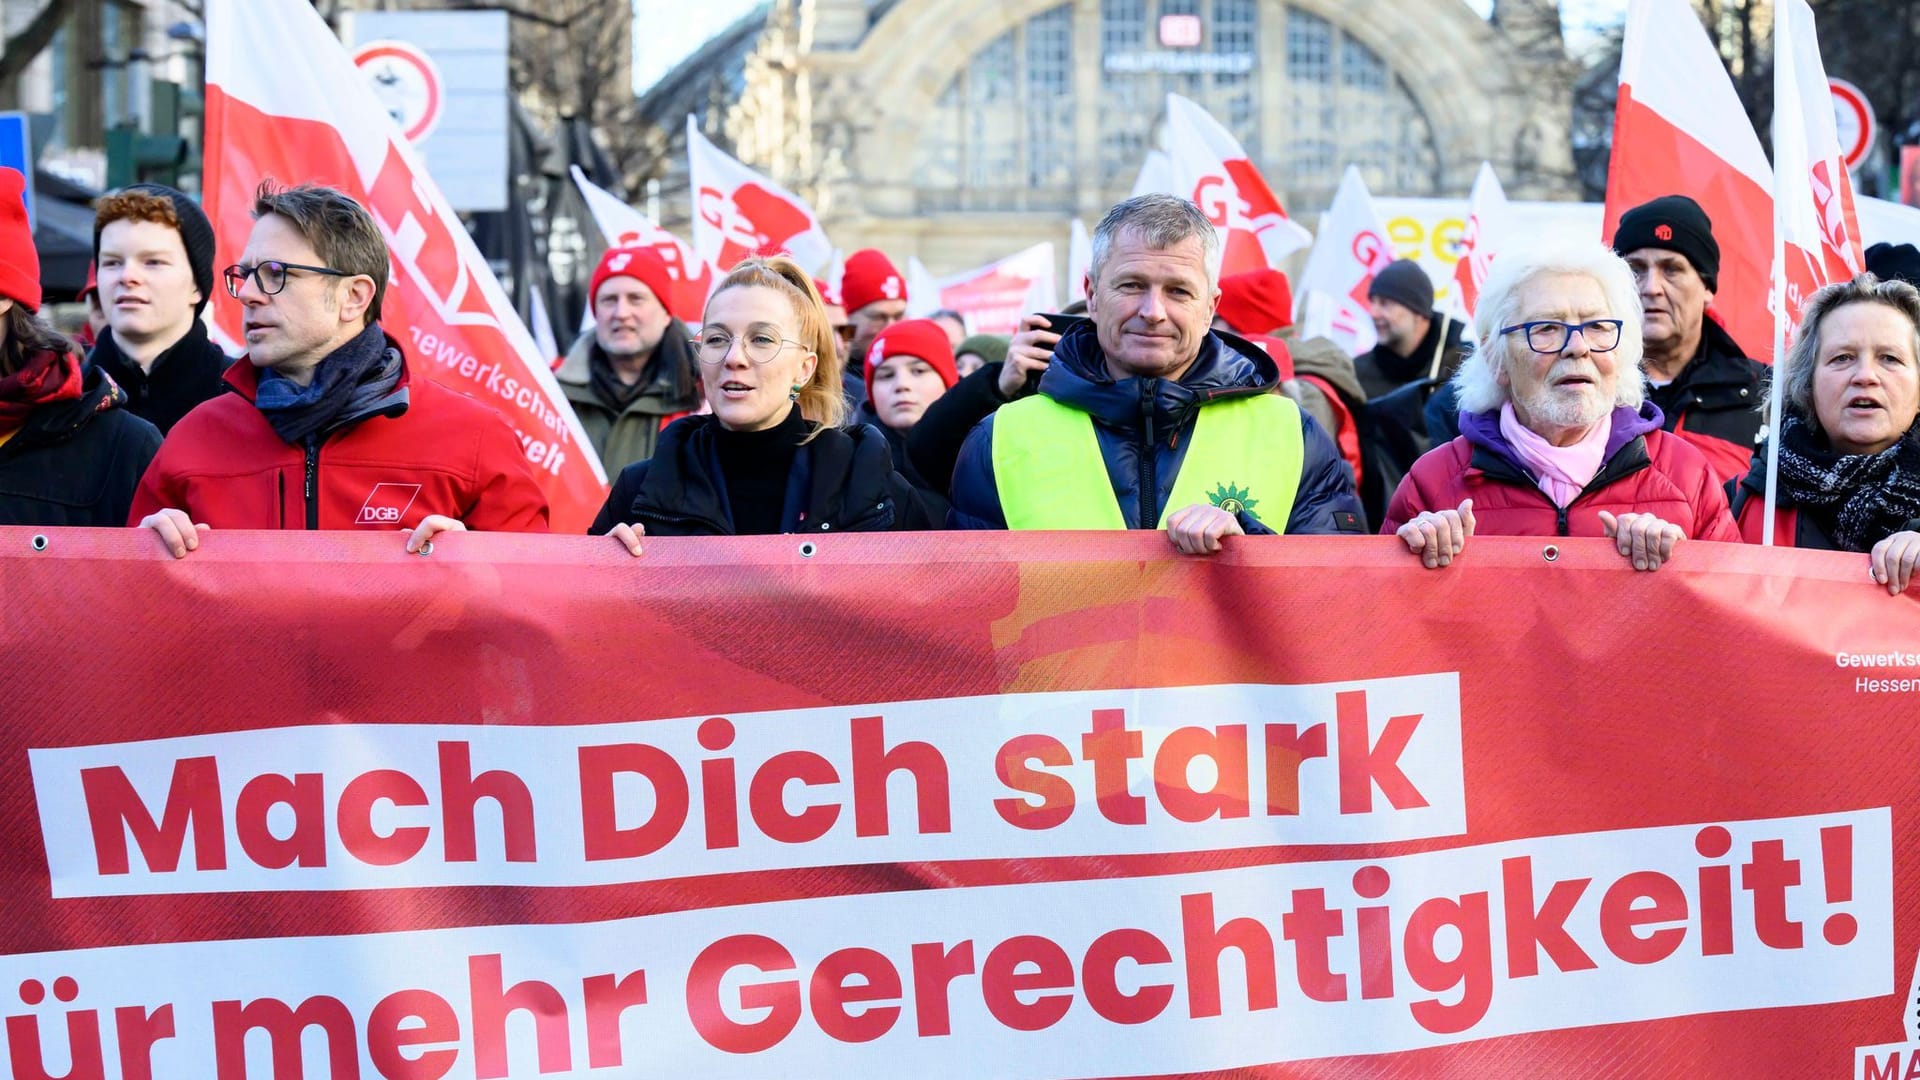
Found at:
(1257, 302)
(869, 277)
(922, 339)
(19, 261)
(1278, 351)
(643, 264)
(827, 294)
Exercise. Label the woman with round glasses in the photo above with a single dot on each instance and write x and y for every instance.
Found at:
(1849, 473)
(1556, 435)
(771, 458)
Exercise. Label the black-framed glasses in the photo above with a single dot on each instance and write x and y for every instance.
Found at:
(713, 347)
(271, 275)
(1551, 336)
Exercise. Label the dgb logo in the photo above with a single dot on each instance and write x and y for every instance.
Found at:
(387, 504)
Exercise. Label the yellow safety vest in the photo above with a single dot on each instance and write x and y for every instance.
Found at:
(1246, 454)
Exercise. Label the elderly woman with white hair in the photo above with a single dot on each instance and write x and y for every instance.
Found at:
(1849, 474)
(1556, 435)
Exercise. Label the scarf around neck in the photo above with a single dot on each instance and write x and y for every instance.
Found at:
(1563, 472)
(348, 382)
(1871, 496)
(46, 376)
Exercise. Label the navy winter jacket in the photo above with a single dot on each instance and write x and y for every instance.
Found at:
(1144, 427)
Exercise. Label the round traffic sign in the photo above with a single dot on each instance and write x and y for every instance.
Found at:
(1853, 122)
(406, 83)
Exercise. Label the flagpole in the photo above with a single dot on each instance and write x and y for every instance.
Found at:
(1775, 384)
(1440, 347)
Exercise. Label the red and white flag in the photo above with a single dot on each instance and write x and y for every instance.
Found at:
(993, 297)
(285, 101)
(1486, 230)
(623, 226)
(1679, 129)
(1351, 249)
(1079, 260)
(1814, 205)
(1211, 168)
(737, 212)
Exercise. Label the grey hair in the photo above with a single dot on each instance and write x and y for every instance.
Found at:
(1161, 221)
(1804, 355)
(1478, 380)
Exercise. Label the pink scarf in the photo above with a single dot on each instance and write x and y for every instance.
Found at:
(1561, 471)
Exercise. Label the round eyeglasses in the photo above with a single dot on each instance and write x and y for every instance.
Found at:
(714, 346)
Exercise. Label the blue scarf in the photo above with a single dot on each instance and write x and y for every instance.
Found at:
(355, 381)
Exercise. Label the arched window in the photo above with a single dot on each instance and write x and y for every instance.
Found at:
(1136, 74)
(1348, 107)
(1001, 134)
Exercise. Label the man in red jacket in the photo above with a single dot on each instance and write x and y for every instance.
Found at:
(325, 429)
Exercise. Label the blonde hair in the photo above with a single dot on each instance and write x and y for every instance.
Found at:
(821, 398)
(1478, 379)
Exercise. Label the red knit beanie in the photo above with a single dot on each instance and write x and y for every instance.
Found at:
(1257, 302)
(922, 339)
(19, 261)
(643, 264)
(869, 277)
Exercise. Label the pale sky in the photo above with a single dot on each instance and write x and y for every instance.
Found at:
(667, 31)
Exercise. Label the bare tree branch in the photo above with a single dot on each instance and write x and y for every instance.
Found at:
(23, 47)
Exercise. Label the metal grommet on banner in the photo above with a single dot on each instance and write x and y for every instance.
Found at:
(1550, 552)
(39, 541)
(426, 547)
(807, 549)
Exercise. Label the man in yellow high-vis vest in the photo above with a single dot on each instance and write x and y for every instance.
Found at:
(1148, 419)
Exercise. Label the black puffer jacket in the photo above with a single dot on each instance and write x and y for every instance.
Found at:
(76, 462)
(1144, 427)
(841, 481)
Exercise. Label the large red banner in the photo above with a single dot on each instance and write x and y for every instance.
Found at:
(951, 805)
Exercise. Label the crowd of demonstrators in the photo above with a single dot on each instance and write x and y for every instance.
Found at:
(1706, 387)
(153, 259)
(70, 451)
(910, 366)
(634, 372)
(324, 427)
(772, 456)
(1557, 437)
(874, 294)
(1146, 418)
(1849, 454)
(1604, 399)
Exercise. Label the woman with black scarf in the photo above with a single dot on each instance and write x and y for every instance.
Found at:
(1849, 474)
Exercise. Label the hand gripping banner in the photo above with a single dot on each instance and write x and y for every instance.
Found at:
(951, 806)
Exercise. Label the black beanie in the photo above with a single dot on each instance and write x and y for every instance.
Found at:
(1406, 284)
(1894, 262)
(196, 235)
(1672, 223)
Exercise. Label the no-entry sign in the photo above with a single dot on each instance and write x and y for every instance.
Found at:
(1853, 121)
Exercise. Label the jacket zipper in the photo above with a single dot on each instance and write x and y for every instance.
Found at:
(313, 484)
(1149, 481)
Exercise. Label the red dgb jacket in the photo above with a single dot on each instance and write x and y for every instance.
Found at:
(446, 454)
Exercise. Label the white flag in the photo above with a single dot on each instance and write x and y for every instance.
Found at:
(623, 226)
(1079, 260)
(1813, 196)
(1156, 174)
(1351, 249)
(994, 297)
(738, 212)
(1210, 167)
(1487, 218)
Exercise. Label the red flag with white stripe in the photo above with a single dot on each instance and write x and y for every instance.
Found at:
(1679, 129)
(284, 101)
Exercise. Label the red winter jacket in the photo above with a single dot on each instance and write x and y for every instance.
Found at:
(444, 454)
(1646, 471)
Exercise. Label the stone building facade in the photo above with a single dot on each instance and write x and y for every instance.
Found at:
(962, 130)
